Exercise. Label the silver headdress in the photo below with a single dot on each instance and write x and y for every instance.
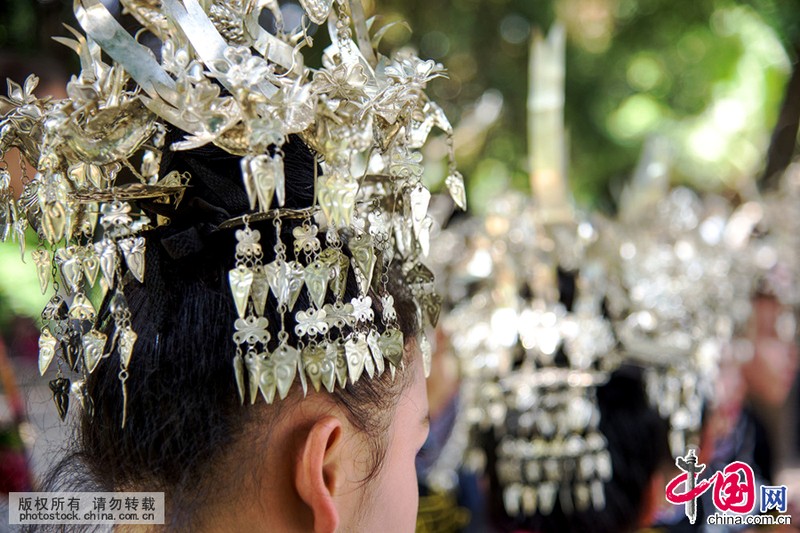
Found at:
(530, 363)
(531, 359)
(221, 78)
(678, 293)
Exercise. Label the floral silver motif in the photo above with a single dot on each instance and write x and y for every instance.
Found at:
(251, 330)
(362, 309)
(249, 242)
(305, 238)
(317, 10)
(311, 322)
(339, 314)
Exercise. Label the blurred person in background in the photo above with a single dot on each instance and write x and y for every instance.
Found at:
(637, 442)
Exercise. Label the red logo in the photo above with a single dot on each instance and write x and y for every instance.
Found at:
(734, 486)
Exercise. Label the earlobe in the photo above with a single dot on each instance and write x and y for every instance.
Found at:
(318, 472)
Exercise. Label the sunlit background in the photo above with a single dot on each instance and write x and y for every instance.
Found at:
(708, 76)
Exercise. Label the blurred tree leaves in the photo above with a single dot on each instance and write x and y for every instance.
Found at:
(634, 68)
(26, 26)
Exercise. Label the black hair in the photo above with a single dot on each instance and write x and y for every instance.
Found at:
(183, 410)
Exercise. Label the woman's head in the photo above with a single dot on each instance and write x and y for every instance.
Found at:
(316, 460)
(637, 442)
(164, 185)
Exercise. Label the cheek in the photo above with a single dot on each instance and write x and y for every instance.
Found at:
(396, 498)
(401, 495)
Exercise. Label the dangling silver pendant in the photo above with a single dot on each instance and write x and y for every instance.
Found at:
(107, 252)
(455, 186)
(316, 276)
(254, 363)
(133, 250)
(427, 354)
(267, 383)
(424, 236)
(375, 350)
(391, 344)
(285, 279)
(55, 309)
(336, 196)
(363, 259)
(42, 260)
(81, 308)
(72, 347)
(264, 178)
(91, 265)
(286, 360)
(335, 351)
(339, 265)
(241, 280)
(20, 225)
(280, 179)
(71, 269)
(420, 199)
(238, 372)
(93, 344)
(369, 365)
(78, 388)
(60, 388)
(317, 366)
(259, 290)
(47, 349)
(127, 340)
(54, 221)
(356, 352)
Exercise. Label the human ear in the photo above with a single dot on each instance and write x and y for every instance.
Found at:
(319, 473)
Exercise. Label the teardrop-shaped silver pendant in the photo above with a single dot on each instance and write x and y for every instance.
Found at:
(241, 280)
(356, 352)
(93, 344)
(47, 349)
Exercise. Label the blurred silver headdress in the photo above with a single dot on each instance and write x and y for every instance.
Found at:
(680, 290)
(222, 78)
(531, 355)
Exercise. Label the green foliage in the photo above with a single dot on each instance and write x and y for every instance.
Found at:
(633, 69)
